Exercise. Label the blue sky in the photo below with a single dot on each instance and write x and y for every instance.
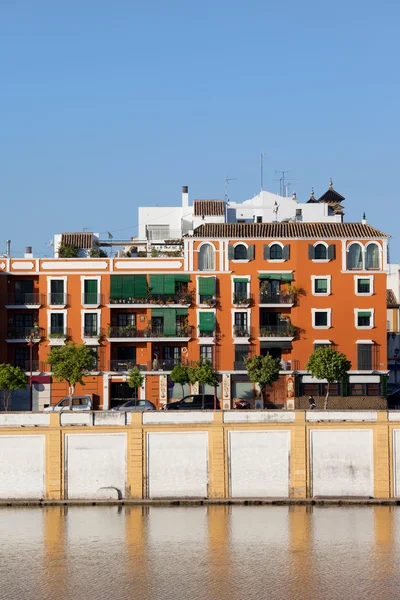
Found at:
(109, 105)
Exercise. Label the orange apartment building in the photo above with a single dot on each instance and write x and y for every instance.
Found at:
(228, 290)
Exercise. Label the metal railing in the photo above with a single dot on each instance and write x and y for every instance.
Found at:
(288, 330)
(91, 299)
(57, 298)
(183, 298)
(25, 333)
(241, 300)
(90, 332)
(26, 365)
(125, 365)
(22, 299)
(58, 332)
(163, 364)
(281, 298)
(239, 365)
(241, 331)
(207, 334)
(130, 331)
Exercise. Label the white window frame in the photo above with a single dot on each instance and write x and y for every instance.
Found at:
(198, 293)
(276, 260)
(321, 260)
(329, 319)
(248, 277)
(248, 312)
(328, 287)
(56, 341)
(371, 285)
(198, 257)
(375, 243)
(210, 341)
(50, 278)
(362, 254)
(90, 278)
(240, 260)
(372, 319)
(89, 341)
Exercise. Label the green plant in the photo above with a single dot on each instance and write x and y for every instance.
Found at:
(57, 336)
(329, 364)
(71, 363)
(97, 253)
(11, 379)
(263, 370)
(154, 253)
(67, 251)
(135, 378)
(180, 375)
(203, 373)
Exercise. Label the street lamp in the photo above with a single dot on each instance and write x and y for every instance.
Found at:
(31, 343)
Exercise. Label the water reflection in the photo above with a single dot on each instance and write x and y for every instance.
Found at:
(199, 553)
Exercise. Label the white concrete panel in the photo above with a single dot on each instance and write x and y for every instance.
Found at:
(22, 466)
(342, 462)
(177, 464)
(76, 418)
(396, 461)
(175, 416)
(148, 265)
(76, 265)
(109, 418)
(364, 379)
(24, 419)
(345, 415)
(394, 416)
(95, 465)
(259, 464)
(256, 416)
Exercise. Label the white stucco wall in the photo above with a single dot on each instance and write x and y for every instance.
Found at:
(22, 460)
(396, 462)
(259, 464)
(342, 462)
(177, 464)
(95, 465)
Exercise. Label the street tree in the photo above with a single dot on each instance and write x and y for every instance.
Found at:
(203, 373)
(11, 379)
(180, 375)
(135, 378)
(71, 363)
(263, 370)
(329, 364)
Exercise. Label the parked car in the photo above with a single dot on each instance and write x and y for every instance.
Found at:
(194, 402)
(393, 400)
(243, 404)
(135, 404)
(78, 403)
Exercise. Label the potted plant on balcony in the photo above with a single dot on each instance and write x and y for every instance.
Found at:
(209, 301)
(148, 329)
(170, 301)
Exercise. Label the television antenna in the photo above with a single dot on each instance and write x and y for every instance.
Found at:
(227, 181)
(282, 185)
(262, 168)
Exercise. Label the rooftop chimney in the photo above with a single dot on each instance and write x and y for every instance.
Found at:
(8, 248)
(364, 219)
(28, 252)
(185, 197)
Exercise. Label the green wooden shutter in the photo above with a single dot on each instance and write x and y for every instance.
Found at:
(331, 251)
(157, 284)
(231, 252)
(116, 287)
(364, 314)
(157, 312)
(169, 284)
(207, 286)
(181, 312)
(286, 252)
(250, 252)
(311, 251)
(266, 252)
(206, 322)
(128, 286)
(90, 287)
(170, 321)
(240, 280)
(182, 277)
(140, 286)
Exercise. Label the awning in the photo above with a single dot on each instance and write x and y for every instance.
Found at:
(281, 345)
(276, 276)
(240, 280)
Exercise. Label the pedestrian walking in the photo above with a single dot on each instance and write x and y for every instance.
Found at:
(311, 402)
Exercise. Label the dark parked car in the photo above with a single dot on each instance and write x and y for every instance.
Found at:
(194, 402)
(135, 405)
(393, 400)
(242, 404)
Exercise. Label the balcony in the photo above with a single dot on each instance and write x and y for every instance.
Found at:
(58, 335)
(21, 300)
(130, 333)
(241, 334)
(241, 301)
(123, 366)
(91, 335)
(163, 364)
(165, 300)
(58, 299)
(92, 299)
(277, 332)
(282, 299)
(25, 334)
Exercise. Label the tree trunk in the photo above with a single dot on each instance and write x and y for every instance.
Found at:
(263, 390)
(71, 393)
(6, 399)
(183, 390)
(326, 397)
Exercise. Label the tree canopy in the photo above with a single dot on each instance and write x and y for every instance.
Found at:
(11, 379)
(329, 364)
(135, 378)
(203, 373)
(71, 363)
(263, 370)
(180, 375)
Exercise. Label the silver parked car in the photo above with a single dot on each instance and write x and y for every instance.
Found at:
(135, 404)
(78, 403)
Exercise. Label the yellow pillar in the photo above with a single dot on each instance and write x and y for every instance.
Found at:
(135, 458)
(217, 458)
(298, 457)
(54, 459)
(382, 467)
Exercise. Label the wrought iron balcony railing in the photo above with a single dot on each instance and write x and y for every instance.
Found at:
(279, 298)
(22, 299)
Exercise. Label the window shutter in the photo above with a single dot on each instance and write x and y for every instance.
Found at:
(116, 287)
(128, 286)
(331, 251)
(310, 251)
(181, 312)
(169, 284)
(286, 252)
(206, 286)
(250, 252)
(206, 322)
(266, 252)
(170, 321)
(157, 284)
(231, 252)
(140, 286)
(182, 277)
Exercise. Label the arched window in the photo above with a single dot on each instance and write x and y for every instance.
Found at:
(275, 252)
(372, 257)
(206, 258)
(355, 258)
(240, 252)
(320, 252)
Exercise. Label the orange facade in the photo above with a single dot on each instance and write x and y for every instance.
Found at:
(232, 294)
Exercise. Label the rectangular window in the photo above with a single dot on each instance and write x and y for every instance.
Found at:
(206, 289)
(24, 291)
(57, 324)
(57, 295)
(22, 358)
(241, 353)
(310, 389)
(356, 389)
(206, 324)
(316, 346)
(364, 319)
(23, 322)
(364, 357)
(320, 318)
(320, 286)
(206, 353)
(126, 320)
(363, 286)
(90, 325)
(90, 292)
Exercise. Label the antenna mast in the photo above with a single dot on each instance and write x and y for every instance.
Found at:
(262, 169)
(227, 180)
(282, 185)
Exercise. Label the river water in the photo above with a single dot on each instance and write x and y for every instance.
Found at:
(200, 553)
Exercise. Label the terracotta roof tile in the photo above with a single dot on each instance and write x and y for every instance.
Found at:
(331, 195)
(80, 240)
(209, 208)
(391, 300)
(288, 230)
